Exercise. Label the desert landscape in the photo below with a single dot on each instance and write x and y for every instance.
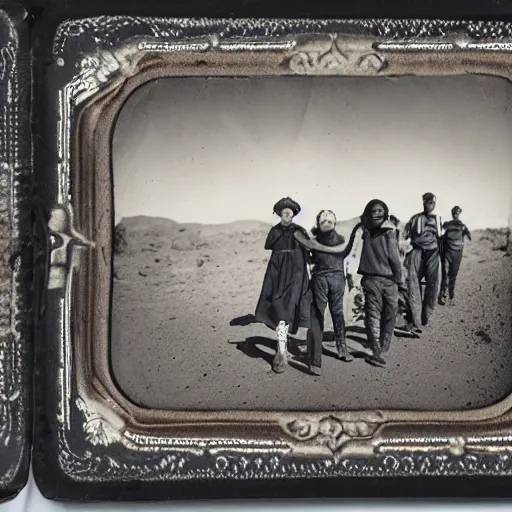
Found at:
(183, 336)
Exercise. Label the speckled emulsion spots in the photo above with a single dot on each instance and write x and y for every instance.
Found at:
(208, 153)
(182, 335)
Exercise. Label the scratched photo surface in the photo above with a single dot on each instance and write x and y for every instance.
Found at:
(198, 165)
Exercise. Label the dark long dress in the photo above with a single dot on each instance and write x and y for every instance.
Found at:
(285, 294)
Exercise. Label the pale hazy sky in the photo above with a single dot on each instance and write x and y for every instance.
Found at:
(220, 150)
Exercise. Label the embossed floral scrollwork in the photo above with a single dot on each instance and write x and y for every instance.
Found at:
(97, 430)
(315, 62)
(97, 69)
(331, 432)
(372, 62)
(158, 461)
(304, 62)
(5, 416)
(7, 56)
(336, 60)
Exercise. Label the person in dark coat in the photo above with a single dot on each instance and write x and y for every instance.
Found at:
(451, 254)
(382, 275)
(328, 281)
(284, 303)
(422, 262)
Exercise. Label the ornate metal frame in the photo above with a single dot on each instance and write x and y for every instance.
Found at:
(98, 436)
(15, 261)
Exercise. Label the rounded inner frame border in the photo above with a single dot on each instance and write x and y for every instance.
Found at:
(92, 201)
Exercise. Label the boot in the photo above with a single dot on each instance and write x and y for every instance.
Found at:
(280, 360)
(341, 342)
(315, 370)
(441, 300)
(376, 360)
(424, 318)
(386, 343)
(340, 337)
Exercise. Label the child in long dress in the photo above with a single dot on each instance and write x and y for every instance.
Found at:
(285, 299)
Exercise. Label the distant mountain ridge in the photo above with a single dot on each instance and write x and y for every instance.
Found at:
(141, 224)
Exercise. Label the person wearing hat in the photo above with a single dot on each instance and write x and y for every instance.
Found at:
(451, 255)
(285, 299)
(424, 230)
(286, 302)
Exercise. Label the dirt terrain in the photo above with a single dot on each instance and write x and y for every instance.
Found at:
(183, 337)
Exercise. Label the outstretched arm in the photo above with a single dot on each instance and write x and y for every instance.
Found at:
(352, 260)
(313, 245)
(350, 244)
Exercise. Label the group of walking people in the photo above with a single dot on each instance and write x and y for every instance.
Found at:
(307, 274)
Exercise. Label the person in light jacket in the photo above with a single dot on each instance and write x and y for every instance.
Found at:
(451, 254)
(424, 231)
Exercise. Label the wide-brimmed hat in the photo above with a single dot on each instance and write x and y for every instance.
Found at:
(456, 209)
(286, 202)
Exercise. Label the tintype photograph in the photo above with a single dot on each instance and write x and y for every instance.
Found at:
(313, 243)
(279, 258)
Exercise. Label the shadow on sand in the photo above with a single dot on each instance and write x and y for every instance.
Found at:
(243, 321)
(398, 333)
(254, 346)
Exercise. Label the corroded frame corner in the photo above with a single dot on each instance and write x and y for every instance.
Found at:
(99, 438)
(15, 249)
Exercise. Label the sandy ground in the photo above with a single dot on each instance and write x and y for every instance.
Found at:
(182, 337)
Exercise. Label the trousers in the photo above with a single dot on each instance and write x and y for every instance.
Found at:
(381, 309)
(315, 337)
(450, 265)
(422, 264)
(328, 291)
